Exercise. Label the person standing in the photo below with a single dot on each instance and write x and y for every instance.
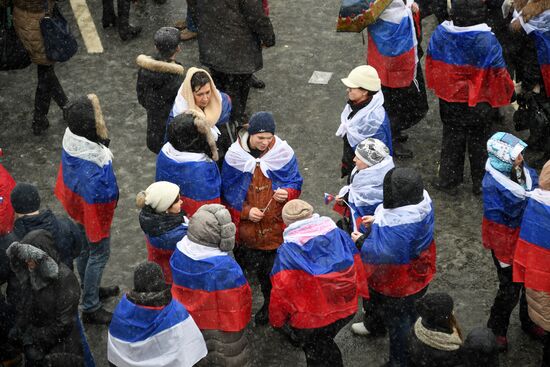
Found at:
(27, 15)
(87, 188)
(259, 175)
(7, 183)
(231, 46)
(126, 31)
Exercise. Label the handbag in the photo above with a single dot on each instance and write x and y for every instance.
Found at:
(12, 53)
(531, 113)
(59, 43)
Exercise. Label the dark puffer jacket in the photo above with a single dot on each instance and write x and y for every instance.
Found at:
(47, 314)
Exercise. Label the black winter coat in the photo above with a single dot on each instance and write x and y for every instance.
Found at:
(231, 34)
(422, 355)
(158, 83)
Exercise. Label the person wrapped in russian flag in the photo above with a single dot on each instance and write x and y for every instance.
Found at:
(532, 256)
(317, 278)
(150, 328)
(259, 175)
(393, 50)
(162, 222)
(212, 286)
(364, 191)
(87, 188)
(399, 255)
(188, 159)
(506, 184)
(466, 70)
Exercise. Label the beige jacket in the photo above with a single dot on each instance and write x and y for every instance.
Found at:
(26, 21)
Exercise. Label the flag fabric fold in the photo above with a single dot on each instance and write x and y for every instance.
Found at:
(160, 248)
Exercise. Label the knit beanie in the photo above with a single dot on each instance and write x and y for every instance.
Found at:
(211, 226)
(160, 196)
(85, 119)
(372, 151)
(148, 277)
(25, 198)
(402, 186)
(189, 132)
(261, 122)
(167, 40)
(296, 210)
(436, 310)
(503, 149)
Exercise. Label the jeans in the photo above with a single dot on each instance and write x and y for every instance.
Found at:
(90, 264)
(48, 88)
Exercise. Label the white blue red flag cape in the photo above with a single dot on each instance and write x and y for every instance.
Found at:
(465, 65)
(212, 287)
(154, 336)
(532, 257)
(370, 121)
(196, 174)
(503, 204)
(316, 277)
(392, 46)
(539, 28)
(399, 253)
(86, 185)
(279, 164)
(160, 248)
(365, 191)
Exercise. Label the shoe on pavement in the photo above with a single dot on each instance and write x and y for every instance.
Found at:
(359, 328)
(98, 317)
(108, 292)
(180, 24)
(400, 151)
(502, 343)
(256, 83)
(187, 35)
(449, 190)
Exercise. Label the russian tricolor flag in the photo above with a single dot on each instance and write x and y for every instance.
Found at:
(503, 205)
(7, 183)
(399, 253)
(279, 164)
(197, 176)
(160, 248)
(532, 256)
(392, 46)
(86, 185)
(212, 287)
(465, 65)
(154, 336)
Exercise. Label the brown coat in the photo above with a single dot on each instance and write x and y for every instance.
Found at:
(26, 20)
(539, 307)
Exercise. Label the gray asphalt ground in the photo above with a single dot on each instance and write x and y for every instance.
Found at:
(307, 116)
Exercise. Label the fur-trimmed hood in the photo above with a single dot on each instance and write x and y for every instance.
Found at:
(85, 119)
(190, 132)
(528, 9)
(159, 66)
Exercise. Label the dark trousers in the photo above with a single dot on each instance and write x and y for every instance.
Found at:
(156, 129)
(48, 88)
(396, 315)
(259, 262)
(546, 351)
(319, 346)
(508, 295)
(237, 86)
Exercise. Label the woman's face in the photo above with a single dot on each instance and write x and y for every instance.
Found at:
(260, 141)
(175, 208)
(359, 163)
(202, 96)
(357, 95)
(519, 160)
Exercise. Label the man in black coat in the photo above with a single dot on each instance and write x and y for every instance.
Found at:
(231, 37)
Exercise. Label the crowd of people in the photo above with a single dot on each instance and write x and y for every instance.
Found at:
(224, 208)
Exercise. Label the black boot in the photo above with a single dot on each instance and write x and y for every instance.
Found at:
(39, 125)
(98, 317)
(109, 16)
(256, 83)
(125, 30)
(108, 292)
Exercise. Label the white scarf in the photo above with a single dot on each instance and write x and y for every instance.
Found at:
(80, 147)
(196, 251)
(183, 157)
(437, 339)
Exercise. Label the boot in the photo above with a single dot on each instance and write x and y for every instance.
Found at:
(109, 16)
(400, 151)
(98, 317)
(125, 30)
(256, 83)
(39, 125)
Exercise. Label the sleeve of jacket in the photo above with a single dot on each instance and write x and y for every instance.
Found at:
(257, 21)
(140, 89)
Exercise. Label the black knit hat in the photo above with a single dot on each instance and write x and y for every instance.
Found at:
(148, 277)
(466, 13)
(185, 137)
(167, 40)
(261, 122)
(25, 198)
(402, 186)
(436, 310)
(85, 119)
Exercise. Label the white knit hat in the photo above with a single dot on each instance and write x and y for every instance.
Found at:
(372, 151)
(160, 196)
(363, 76)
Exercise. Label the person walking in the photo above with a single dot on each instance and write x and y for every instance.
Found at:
(126, 31)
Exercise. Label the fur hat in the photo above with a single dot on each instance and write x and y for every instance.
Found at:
(211, 226)
(296, 210)
(160, 196)
(25, 198)
(189, 132)
(372, 151)
(402, 186)
(503, 149)
(261, 122)
(167, 40)
(84, 118)
(148, 277)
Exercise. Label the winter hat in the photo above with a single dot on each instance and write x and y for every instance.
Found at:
(436, 310)
(25, 198)
(503, 149)
(296, 210)
(160, 196)
(211, 226)
(480, 348)
(189, 132)
(85, 119)
(372, 151)
(544, 178)
(261, 122)
(167, 40)
(466, 13)
(363, 76)
(148, 277)
(402, 186)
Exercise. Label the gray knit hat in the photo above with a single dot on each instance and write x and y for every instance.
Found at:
(296, 210)
(211, 226)
(372, 151)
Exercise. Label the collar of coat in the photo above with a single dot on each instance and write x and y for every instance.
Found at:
(437, 339)
(148, 63)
